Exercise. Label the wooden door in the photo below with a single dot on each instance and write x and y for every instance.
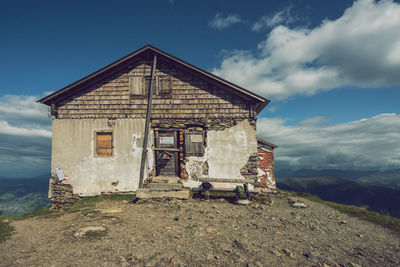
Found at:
(166, 152)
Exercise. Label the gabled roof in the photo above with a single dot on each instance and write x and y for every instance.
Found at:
(264, 142)
(261, 102)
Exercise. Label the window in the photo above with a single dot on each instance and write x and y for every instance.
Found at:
(139, 86)
(194, 144)
(136, 85)
(103, 143)
(164, 85)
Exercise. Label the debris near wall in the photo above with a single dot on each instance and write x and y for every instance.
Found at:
(61, 194)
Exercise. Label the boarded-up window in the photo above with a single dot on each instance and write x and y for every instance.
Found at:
(194, 144)
(136, 85)
(104, 144)
(164, 83)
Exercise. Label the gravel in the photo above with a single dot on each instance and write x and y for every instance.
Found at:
(202, 233)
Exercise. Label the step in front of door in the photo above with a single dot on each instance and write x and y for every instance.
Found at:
(145, 193)
(164, 186)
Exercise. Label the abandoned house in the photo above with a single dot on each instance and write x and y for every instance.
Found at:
(150, 117)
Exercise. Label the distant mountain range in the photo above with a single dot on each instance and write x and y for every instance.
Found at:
(378, 198)
(389, 178)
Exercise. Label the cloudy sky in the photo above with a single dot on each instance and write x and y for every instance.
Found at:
(330, 68)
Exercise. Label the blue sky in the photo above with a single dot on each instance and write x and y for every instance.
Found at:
(331, 69)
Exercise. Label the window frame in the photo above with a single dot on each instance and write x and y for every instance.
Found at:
(144, 81)
(187, 142)
(102, 132)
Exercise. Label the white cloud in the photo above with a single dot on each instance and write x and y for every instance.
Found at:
(220, 22)
(283, 17)
(6, 128)
(22, 108)
(25, 136)
(361, 48)
(367, 143)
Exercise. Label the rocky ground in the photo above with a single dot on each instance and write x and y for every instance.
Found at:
(200, 233)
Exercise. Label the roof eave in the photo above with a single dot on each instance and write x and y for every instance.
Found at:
(266, 143)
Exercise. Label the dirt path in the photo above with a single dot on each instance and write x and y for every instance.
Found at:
(199, 233)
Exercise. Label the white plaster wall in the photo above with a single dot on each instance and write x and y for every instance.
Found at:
(227, 151)
(73, 151)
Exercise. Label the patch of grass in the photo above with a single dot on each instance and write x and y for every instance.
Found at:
(91, 201)
(6, 230)
(86, 203)
(45, 211)
(361, 213)
(120, 197)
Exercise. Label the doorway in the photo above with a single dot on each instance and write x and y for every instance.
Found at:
(166, 152)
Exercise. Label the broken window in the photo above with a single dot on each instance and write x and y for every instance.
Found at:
(194, 144)
(104, 143)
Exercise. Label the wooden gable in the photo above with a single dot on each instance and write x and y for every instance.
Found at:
(181, 92)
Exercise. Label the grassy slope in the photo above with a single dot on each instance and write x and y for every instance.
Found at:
(388, 178)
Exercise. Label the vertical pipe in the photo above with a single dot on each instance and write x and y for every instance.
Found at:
(148, 115)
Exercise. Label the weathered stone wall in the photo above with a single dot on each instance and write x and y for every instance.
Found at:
(61, 194)
(250, 171)
(266, 177)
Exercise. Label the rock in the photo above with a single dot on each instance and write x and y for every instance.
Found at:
(211, 230)
(298, 204)
(244, 202)
(275, 252)
(89, 229)
(238, 245)
(288, 253)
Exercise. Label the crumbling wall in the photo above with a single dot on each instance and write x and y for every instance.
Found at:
(61, 194)
(230, 152)
(266, 177)
(250, 171)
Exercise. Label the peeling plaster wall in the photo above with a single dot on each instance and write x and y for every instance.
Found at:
(226, 152)
(73, 151)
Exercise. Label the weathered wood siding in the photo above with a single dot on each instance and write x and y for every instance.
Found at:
(191, 97)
